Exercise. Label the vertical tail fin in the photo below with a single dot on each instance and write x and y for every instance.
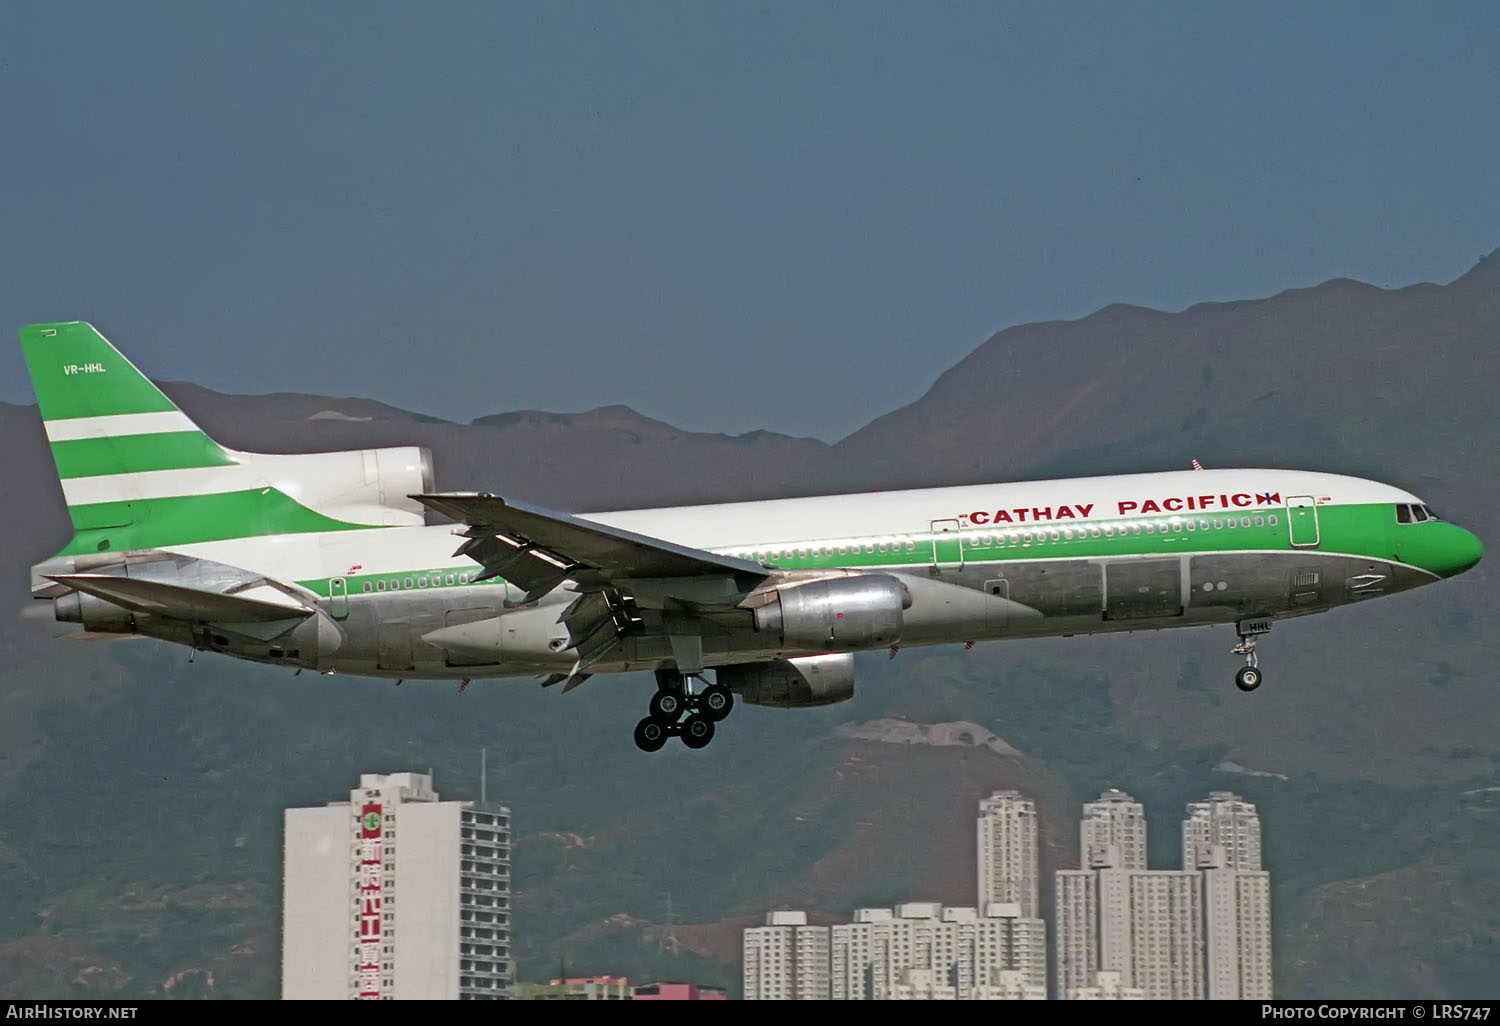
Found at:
(137, 473)
(114, 436)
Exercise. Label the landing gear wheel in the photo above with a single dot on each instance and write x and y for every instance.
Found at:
(697, 730)
(666, 706)
(1247, 679)
(716, 702)
(650, 735)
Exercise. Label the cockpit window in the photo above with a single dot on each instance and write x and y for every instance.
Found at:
(1413, 513)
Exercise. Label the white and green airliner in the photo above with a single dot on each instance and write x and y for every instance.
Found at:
(326, 561)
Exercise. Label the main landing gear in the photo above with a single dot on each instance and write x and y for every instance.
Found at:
(1248, 677)
(678, 709)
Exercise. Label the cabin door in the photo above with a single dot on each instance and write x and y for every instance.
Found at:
(338, 598)
(1302, 520)
(947, 546)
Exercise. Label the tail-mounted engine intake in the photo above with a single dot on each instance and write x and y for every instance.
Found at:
(842, 613)
(370, 486)
(794, 683)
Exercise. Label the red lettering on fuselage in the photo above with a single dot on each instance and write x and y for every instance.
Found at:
(1028, 514)
(1124, 507)
(1178, 503)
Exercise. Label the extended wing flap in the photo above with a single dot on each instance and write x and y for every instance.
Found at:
(511, 537)
(192, 604)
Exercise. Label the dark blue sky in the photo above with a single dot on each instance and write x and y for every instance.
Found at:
(729, 216)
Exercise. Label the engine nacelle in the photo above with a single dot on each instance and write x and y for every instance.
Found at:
(95, 614)
(369, 486)
(863, 611)
(792, 683)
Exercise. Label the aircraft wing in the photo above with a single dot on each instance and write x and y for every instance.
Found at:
(537, 548)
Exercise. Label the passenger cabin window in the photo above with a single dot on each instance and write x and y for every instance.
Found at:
(367, 586)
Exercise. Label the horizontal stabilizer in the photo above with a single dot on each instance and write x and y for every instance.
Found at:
(192, 604)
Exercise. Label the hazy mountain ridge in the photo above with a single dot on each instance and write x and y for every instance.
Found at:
(125, 771)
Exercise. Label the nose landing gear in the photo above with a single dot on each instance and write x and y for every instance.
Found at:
(678, 709)
(1249, 677)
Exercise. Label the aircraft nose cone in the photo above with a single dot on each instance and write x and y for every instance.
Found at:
(1460, 551)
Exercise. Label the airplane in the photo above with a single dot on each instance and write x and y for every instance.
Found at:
(326, 561)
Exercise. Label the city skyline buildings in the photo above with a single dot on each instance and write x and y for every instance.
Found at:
(1122, 931)
(1201, 931)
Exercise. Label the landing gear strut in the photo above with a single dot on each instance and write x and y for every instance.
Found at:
(678, 709)
(1248, 677)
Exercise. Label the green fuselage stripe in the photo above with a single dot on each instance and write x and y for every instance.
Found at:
(1366, 530)
(128, 454)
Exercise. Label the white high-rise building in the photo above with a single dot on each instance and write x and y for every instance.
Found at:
(1221, 838)
(922, 949)
(1165, 917)
(1224, 820)
(396, 894)
(1145, 925)
(1113, 832)
(1008, 852)
(786, 960)
(1075, 926)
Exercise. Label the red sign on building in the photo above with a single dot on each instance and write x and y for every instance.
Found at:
(371, 863)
